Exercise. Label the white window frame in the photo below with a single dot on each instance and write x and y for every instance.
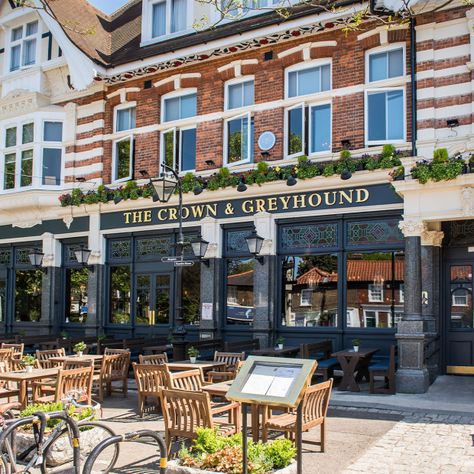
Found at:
(162, 144)
(52, 144)
(247, 115)
(401, 293)
(115, 157)
(233, 82)
(384, 49)
(124, 106)
(286, 130)
(366, 116)
(308, 65)
(173, 95)
(310, 138)
(10, 44)
(304, 297)
(465, 297)
(375, 288)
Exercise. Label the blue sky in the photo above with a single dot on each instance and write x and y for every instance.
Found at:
(107, 6)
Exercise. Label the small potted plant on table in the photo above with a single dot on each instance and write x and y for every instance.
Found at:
(28, 361)
(280, 342)
(193, 354)
(79, 348)
(356, 344)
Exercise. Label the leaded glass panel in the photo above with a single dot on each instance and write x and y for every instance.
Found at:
(22, 256)
(5, 256)
(120, 249)
(374, 233)
(69, 253)
(461, 232)
(153, 247)
(309, 236)
(235, 241)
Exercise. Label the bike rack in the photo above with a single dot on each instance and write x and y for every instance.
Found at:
(132, 436)
(11, 426)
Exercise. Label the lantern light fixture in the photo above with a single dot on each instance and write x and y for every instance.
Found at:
(200, 246)
(254, 244)
(36, 259)
(82, 256)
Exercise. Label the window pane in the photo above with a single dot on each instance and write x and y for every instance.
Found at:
(295, 130)
(76, 295)
(123, 159)
(377, 67)
(191, 294)
(17, 33)
(31, 28)
(395, 115)
(171, 109)
(320, 128)
(188, 106)
(15, 58)
(27, 135)
(237, 136)
(52, 166)
(125, 119)
(326, 77)
(178, 15)
(292, 84)
(374, 283)
(162, 312)
(3, 299)
(248, 93)
(29, 52)
(143, 310)
(395, 63)
(28, 289)
(10, 137)
(309, 81)
(310, 290)
(376, 112)
(169, 148)
(120, 285)
(239, 291)
(188, 149)
(53, 131)
(158, 27)
(26, 168)
(461, 297)
(10, 165)
(235, 96)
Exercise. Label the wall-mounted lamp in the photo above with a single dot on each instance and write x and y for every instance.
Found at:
(345, 143)
(199, 246)
(291, 181)
(81, 179)
(36, 259)
(265, 155)
(82, 257)
(254, 243)
(346, 174)
(144, 173)
(452, 123)
(210, 163)
(242, 187)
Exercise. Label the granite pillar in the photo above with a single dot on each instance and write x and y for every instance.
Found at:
(95, 302)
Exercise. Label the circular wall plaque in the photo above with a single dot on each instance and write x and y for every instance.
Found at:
(266, 141)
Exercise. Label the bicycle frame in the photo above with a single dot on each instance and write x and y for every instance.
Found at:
(132, 436)
(10, 427)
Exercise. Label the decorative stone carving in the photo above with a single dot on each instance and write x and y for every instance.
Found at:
(68, 220)
(20, 102)
(28, 223)
(432, 238)
(412, 228)
(467, 200)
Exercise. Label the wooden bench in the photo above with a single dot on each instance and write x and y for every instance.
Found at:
(242, 346)
(384, 367)
(321, 351)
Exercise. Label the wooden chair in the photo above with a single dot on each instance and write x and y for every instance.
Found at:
(17, 349)
(315, 406)
(114, 369)
(184, 411)
(8, 389)
(150, 378)
(113, 351)
(231, 359)
(187, 380)
(75, 380)
(321, 351)
(154, 359)
(44, 358)
(385, 369)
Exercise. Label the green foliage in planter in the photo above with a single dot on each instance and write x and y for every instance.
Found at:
(328, 170)
(437, 170)
(440, 155)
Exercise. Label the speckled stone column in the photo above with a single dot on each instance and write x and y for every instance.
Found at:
(95, 302)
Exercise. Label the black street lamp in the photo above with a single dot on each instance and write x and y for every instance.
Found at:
(254, 243)
(199, 246)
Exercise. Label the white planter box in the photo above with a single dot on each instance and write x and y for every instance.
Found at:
(175, 468)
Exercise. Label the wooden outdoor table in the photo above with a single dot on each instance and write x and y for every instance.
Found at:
(275, 352)
(73, 358)
(352, 362)
(205, 365)
(24, 378)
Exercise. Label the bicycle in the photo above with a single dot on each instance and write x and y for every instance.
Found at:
(66, 438)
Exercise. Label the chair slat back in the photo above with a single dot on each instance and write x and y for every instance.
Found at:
(191, 380)
(115, 366)
(71, 364)
(6, 354)
(154, 359)
(74, 380)
(17, 349)
(230, 359)
(44, 358)
(184, 411)
(316, 401)
(150, 378)
(109, 351)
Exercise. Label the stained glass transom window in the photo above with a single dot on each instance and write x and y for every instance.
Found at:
(22, 256)
(69, 253)
(235, 241)
(374, 233)
(309, 236)
(5, 256)
(153, 247)
(461, 232)
(120, 249)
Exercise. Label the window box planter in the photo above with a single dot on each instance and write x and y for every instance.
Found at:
(175, 468)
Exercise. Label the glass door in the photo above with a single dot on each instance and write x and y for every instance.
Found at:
(152, 306)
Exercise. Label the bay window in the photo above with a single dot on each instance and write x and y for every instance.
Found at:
(178, 143)
(385, 114)
(23, 44)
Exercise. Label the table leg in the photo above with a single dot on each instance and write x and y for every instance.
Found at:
(348, 366)
(255, 422)
(23, 395)
(363, 370)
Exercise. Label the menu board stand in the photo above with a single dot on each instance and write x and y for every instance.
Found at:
(276, 382)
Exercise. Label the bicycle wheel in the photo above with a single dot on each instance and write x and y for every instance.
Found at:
(59, 451)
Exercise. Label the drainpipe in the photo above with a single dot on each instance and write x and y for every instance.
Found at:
(414, 131)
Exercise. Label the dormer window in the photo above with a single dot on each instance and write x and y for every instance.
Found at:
(168, 17)
(23, 41)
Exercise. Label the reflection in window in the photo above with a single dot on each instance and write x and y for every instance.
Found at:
(3, 299)
(374, 289)
(240, 288)
(28, 285)
(120, 293)
(191, 294)
(461, 297)
(162, 315)
(310, 290)
(76, 295)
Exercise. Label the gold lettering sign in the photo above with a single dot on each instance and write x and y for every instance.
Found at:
(313, 200)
